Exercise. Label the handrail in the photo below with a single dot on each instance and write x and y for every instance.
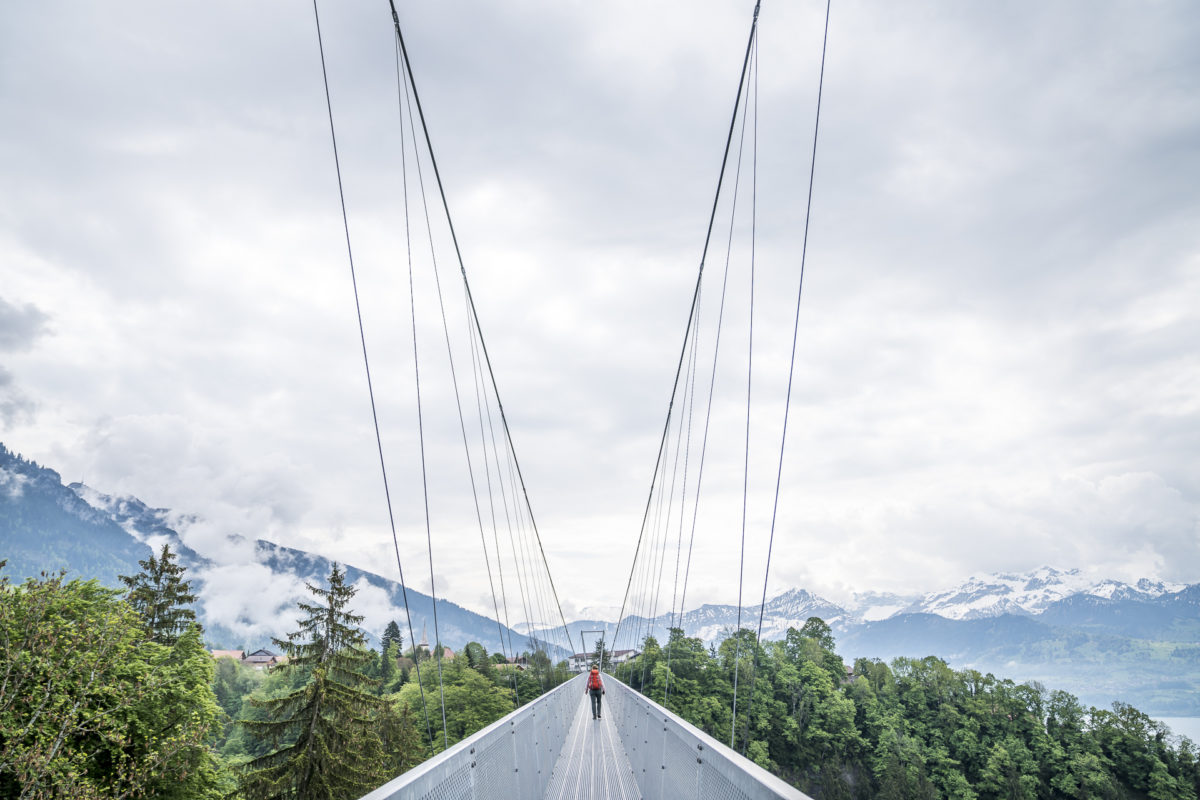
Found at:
(673, 759)
(512, 758)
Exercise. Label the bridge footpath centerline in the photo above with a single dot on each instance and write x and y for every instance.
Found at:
(592, 763)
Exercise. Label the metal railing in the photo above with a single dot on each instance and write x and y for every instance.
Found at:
(512, 758)
(674, 760)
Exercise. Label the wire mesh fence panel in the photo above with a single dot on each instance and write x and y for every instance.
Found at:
(679, 766)
(715, 786)
(456, 786)
(671, 758)
(511, 759)
(495, 761)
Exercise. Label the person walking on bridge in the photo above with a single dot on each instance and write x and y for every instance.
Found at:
(595, 687)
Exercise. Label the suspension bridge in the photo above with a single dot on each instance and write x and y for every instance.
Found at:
(551, 747)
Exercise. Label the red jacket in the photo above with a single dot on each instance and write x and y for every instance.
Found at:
(594, 682)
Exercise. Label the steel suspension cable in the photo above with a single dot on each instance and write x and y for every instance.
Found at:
(470, 297)
(812, 168)
(454, 381)
(518, 562)
(670, 495)
(712, 383)
(534, 611)
(691, 407)
(366, 360)
(479, 403)
(659, 542)
(412, 305)
(692, 309)
(508, 523)
(749, 383)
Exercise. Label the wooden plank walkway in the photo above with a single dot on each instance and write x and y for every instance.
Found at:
(592, 763)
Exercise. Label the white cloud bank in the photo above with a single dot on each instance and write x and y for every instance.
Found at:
(998, 364)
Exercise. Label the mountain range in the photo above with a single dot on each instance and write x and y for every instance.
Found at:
(1099, 638)
(243, 601)
(1149, 609)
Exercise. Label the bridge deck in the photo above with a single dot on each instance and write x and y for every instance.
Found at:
(592, 763)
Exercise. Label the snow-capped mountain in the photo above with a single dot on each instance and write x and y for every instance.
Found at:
(979, 597)
(872, 606)
(788, 610)
(713, 622)
(1029, 593)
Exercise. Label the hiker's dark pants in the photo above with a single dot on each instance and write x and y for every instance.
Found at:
(595, 693)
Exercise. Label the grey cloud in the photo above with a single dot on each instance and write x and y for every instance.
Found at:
(1002, 253)
(15, 405)
(21, 326)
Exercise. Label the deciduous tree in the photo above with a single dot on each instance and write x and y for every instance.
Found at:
(90, 709)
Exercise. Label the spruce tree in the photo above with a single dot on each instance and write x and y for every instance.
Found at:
(392, 634)
(331, 725)
(161, 597)
(387, 665)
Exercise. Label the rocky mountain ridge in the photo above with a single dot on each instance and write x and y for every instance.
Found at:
(46, 527)
(1030, 594)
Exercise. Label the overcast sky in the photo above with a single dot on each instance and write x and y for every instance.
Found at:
(998, 361)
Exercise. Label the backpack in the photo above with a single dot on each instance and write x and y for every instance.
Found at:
(594, 682)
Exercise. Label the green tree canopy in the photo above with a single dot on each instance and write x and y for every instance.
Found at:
(331, 727)
(914, 729)
(89, 708)
(391, 635)
(161, 597)
(471, 701)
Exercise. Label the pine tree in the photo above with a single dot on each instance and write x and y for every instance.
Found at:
(161, 596)
(331, 724)
(392, 634)
(387, 665)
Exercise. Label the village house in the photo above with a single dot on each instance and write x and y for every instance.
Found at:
(259, 659)
(621, 656)
(581, 662)
(236, 655)
(516, 662)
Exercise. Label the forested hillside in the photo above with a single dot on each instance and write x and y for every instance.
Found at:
(913, 729)
(44, 526)
(127, 701)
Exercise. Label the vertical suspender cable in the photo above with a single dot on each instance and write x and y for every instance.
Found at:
(453, 377)
(737, 647)
(691, 407)
(479, 403)
(437, 639)
(812, 168)
(366, 361)
(471, 302)
(412, 306)
(692, 311)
